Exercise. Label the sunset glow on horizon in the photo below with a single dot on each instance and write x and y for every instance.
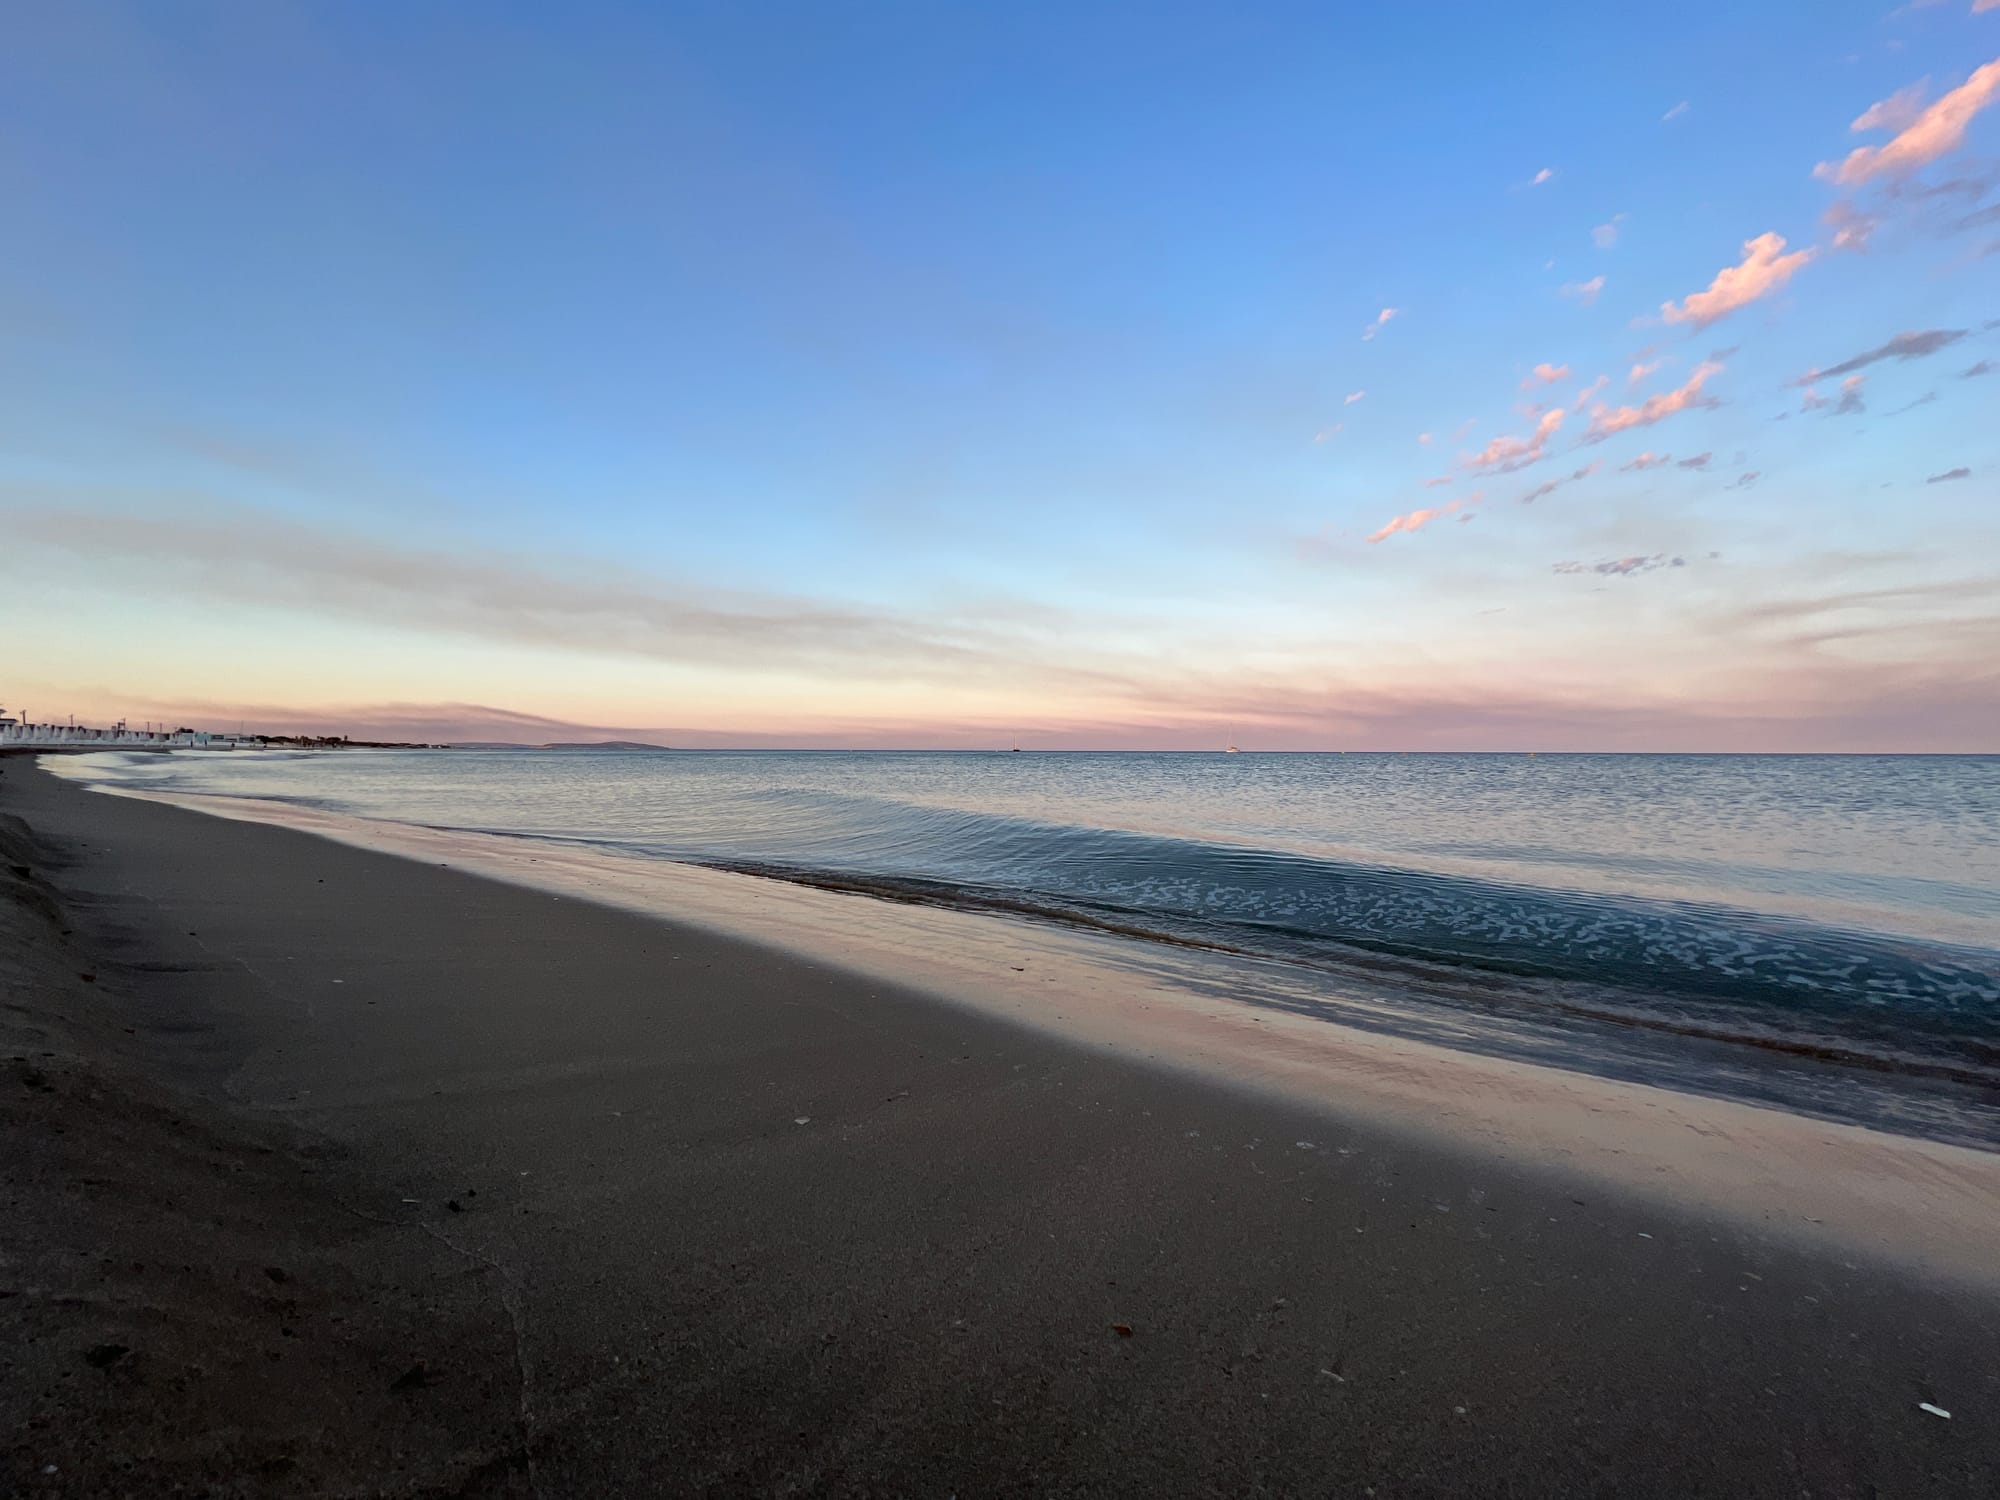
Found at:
(1438, 378)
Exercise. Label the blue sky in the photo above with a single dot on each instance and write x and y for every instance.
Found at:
(926, 375)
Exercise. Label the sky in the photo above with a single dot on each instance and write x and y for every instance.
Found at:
(1429, 376)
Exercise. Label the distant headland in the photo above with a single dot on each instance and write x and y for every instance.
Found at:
(558, 745)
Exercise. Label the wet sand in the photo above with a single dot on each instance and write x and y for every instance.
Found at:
(570, 1200)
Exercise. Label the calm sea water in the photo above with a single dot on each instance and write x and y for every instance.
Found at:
(1821, 931)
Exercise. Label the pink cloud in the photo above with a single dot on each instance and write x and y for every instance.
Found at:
(1605, 421)
(1415, 521)
(1441, 480)
(1763, 269)
(1352, 397)
(1647, 460)
(1851, 227)
(1381, 318)
(1590, 393)
(1935, 132)
(1897, 112)
(1424, 438)
(1584, 291)
(1641, 371)
(1506, 454)
(1545, 175)
(1542, 491)
(1545, 374)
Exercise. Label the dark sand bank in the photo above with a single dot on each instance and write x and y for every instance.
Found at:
(690, 1216)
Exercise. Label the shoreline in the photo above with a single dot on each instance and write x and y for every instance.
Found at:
(1858, 1190)
(742, 1220)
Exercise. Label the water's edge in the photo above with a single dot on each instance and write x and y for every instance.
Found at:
(1868, 1028)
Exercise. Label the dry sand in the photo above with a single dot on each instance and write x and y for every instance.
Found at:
(573, 1200)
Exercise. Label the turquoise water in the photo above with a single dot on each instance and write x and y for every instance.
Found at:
(1767, 925)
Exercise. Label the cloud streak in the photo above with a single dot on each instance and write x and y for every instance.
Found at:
(1505, 454)
(1897, 112)
(1381, 321)
(239, 556)
(1904, 346)
(1926, 136)
(1543, 491)
(1763, 270)
(1622, 567)
(1608, 421)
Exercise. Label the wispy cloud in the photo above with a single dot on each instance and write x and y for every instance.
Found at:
(1417, 521)
(1352, 397)
(1985, 366)
(1931, 133)
(1676, 112)
(1904, 346)
(1590, 393)
(1850, 403)
(1506, 453)
(1381, 320)
(1950, 474)
(1547, 174)
(1698, 462)
(1605, 235)
(1543, 491)
(1641, 371)
(1607, 421)
(1646, 461)
(1851, 228)
(1585, 292)
(231, 555)
(1409, 523)
(1545, 374)
(1622, 567)
(1744, 481)
(1897, 112)
(1764, 268)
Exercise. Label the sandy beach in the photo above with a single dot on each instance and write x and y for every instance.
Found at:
(334, 1172)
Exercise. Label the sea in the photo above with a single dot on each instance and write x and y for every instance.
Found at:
(1814, 933)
